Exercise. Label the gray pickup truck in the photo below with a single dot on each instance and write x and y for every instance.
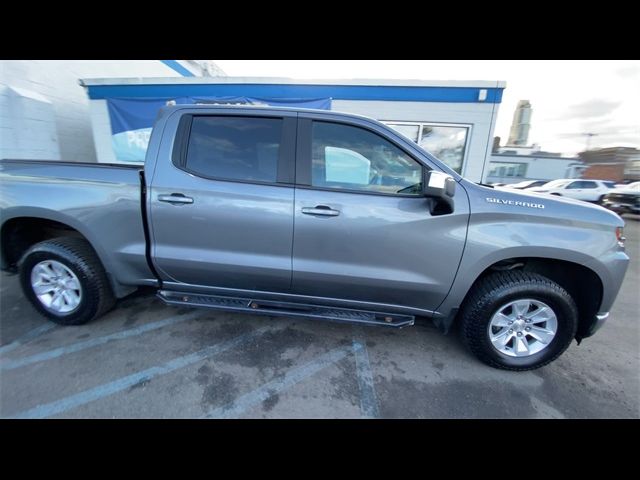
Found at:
(311, 214)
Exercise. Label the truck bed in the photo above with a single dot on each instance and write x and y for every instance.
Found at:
(101, 201)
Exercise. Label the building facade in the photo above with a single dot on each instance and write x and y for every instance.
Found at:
(613, 163)
(45, 111)
(510, 168)
(453, 120)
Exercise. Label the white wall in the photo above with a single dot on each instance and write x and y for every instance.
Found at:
(481, 117)
(101, 126)
(56, 81)
(538, 168)
(27, 125)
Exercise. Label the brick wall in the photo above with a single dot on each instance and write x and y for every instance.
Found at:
(614, 172)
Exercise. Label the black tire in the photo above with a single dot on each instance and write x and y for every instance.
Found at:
(77, 255)
(500, 288)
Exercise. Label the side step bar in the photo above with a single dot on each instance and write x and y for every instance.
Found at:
(288, 309)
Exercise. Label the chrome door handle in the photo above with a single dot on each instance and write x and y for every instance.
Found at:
(175, 198)
(321, 210)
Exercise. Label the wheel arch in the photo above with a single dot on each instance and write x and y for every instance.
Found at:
(584, 284)
(25, 227)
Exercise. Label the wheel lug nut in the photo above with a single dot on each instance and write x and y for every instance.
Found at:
(519, 334)
(510, 323)
(528, 328)
(511, 330)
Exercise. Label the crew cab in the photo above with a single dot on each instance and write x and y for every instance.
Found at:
(311, 214)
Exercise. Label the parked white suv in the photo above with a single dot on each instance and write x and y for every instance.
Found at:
(580, 189)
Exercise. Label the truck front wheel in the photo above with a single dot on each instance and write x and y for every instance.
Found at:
(65, 281)
(518, 320)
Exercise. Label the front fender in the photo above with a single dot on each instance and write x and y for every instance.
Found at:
(494, 237)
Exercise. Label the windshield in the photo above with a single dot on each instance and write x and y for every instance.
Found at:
(555, 184)
(521, 184)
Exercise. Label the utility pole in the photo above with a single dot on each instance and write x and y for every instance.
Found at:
(589, 135)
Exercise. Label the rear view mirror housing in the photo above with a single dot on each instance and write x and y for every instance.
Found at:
(441, 187)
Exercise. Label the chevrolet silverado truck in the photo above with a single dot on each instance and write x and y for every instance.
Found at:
(311, 214)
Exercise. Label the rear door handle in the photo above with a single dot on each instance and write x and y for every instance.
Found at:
(321, 210)
(175, 198)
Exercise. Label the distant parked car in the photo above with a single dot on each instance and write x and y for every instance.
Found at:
(580, 189)
(624, 183)
(527, 184)
(625, 199)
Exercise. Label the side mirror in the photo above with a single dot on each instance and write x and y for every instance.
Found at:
(442, 188)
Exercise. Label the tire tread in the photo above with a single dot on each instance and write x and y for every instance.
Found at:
(87, 260)
(475, 307)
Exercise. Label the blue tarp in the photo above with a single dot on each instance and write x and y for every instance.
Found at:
(133, 118)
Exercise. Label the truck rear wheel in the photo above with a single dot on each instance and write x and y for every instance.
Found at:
(518, 320)
(65, 281)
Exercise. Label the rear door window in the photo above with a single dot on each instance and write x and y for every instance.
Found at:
(234, 147)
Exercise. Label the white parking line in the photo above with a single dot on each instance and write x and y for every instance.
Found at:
(368, 400)
(107, 389)
(243, 403)
(27, 337)
(94, 342)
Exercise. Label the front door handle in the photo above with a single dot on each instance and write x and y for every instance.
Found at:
(175, 198)
(321, 210)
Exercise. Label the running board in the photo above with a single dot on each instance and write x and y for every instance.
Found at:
(289, 309)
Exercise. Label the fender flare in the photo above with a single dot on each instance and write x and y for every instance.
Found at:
(39, 213)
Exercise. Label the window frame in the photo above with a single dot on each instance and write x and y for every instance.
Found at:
(575, 182)
(422, 123)
(304, 157)
(494, 169)
(285, 171)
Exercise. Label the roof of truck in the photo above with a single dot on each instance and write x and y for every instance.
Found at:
(243, 107)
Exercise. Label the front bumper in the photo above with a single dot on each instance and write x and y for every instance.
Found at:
(622, 205)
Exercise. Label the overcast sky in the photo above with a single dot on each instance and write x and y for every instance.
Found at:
(568, 98)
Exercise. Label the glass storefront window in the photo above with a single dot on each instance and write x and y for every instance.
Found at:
(446, 142)
(507, 169)
(409, 131)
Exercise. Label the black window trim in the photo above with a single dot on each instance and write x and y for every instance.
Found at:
(304, 158)
(285, 173)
